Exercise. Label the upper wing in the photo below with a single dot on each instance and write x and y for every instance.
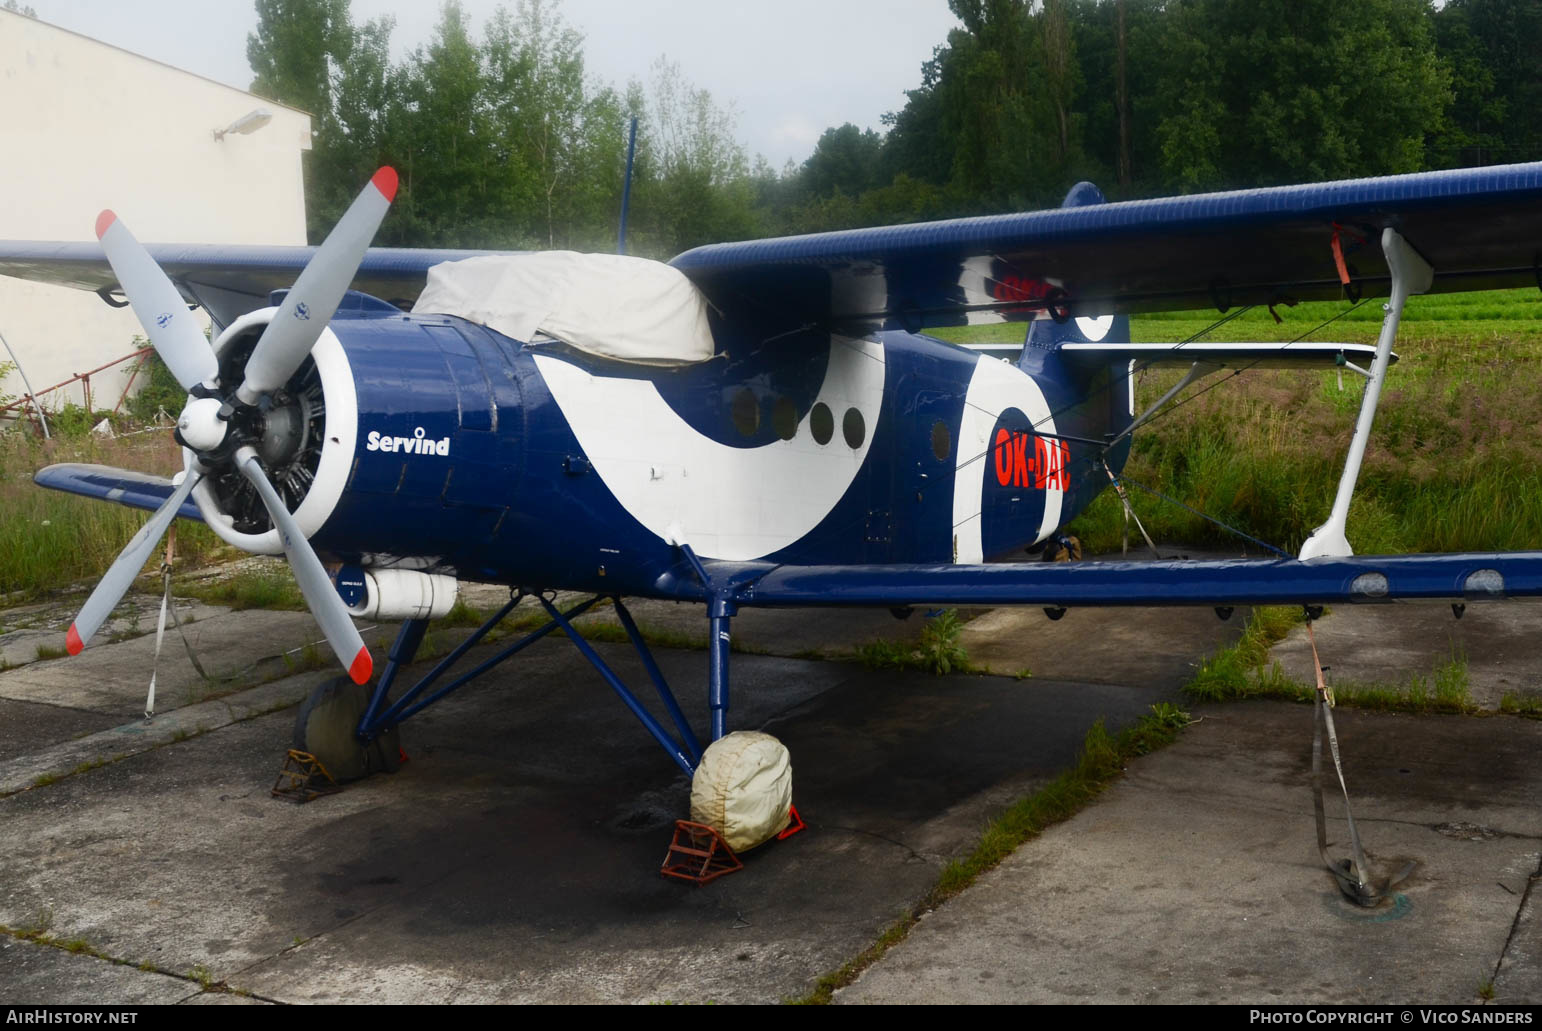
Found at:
(228, 280)
(1479, 228)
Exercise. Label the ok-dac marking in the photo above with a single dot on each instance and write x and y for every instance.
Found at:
(1046, 470)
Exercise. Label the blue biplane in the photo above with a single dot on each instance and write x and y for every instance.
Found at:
(763, 423)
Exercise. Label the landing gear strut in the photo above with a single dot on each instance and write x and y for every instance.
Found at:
(355, 729)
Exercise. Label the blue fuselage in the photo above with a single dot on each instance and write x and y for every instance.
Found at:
(467, 462)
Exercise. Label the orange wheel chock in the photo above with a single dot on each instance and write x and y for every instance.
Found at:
(794, 827)
(698, 854)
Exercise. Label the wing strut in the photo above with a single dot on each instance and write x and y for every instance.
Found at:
(1197, 371)
(1411, 274)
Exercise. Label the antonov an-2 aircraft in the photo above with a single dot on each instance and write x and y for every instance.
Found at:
(759, 423)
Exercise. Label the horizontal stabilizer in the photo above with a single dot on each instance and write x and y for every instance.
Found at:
(136, 490)
(1253, 356)
(1371, 578)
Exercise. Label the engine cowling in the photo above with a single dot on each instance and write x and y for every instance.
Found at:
(307, 443)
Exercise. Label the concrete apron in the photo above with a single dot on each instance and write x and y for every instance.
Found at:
(515, 858)
(1196, 879)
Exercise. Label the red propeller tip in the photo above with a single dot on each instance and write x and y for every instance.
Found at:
(72, 642)
(362, 666)
(104, 222)
(385, 182)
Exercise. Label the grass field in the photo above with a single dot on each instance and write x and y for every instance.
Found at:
(1486, 317)
(1453, 462)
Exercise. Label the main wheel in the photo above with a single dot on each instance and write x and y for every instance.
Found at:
(326, 727)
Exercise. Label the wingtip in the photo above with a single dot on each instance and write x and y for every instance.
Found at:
(72, 642)
(104, 222)
(385, 182)
(362, 666)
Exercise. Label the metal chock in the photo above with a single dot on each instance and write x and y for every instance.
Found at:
(307, 778)
(794, 825)
(698, 854)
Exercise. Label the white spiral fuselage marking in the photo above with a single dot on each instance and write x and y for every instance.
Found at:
(994, 388)
(726, 502)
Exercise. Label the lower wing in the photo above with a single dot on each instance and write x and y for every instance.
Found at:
(1362, 578)
(136, 490)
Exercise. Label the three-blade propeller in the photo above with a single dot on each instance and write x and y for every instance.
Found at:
(206, 424)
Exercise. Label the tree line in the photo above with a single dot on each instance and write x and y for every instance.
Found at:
(503, 139)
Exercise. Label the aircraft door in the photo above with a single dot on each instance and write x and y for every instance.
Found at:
(924, 417)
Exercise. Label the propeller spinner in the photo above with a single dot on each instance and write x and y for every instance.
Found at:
(226, 429)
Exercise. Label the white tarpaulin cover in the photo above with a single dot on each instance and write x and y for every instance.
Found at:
(631, 309)
(743, 788)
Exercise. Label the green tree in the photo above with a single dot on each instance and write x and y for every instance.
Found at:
(845, 160)
(1471, 131)
(294, 50)
(996, 120)
(1119, 126)
(693, 184)
(1258, 92)
(440, 132)
(1493, 47)
(916, 144)
(561, 138)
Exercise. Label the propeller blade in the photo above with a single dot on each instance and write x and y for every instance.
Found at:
(173, 331)
(125, 567)
(314, 298)
(320, 595)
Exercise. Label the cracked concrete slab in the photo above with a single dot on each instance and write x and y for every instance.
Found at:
(32, 974)
(23, 631)
(1391, 644)
(1195, 878)
(118, 742)
(234, 648)
(1163, 644)
(515, 857)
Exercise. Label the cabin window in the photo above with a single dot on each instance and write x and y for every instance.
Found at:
(746, 412)
(854, 428)
(942, 440)
(821, 423)
(784, 418)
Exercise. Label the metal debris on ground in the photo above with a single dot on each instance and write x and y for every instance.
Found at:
(698, 854)
(307, 778)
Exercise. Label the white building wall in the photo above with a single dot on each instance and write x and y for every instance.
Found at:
(86, 126)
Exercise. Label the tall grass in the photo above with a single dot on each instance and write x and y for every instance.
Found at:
(49, 540)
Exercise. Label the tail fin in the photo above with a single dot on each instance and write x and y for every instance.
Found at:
(1045, 335)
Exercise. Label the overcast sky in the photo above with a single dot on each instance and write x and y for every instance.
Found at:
(790, 68)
